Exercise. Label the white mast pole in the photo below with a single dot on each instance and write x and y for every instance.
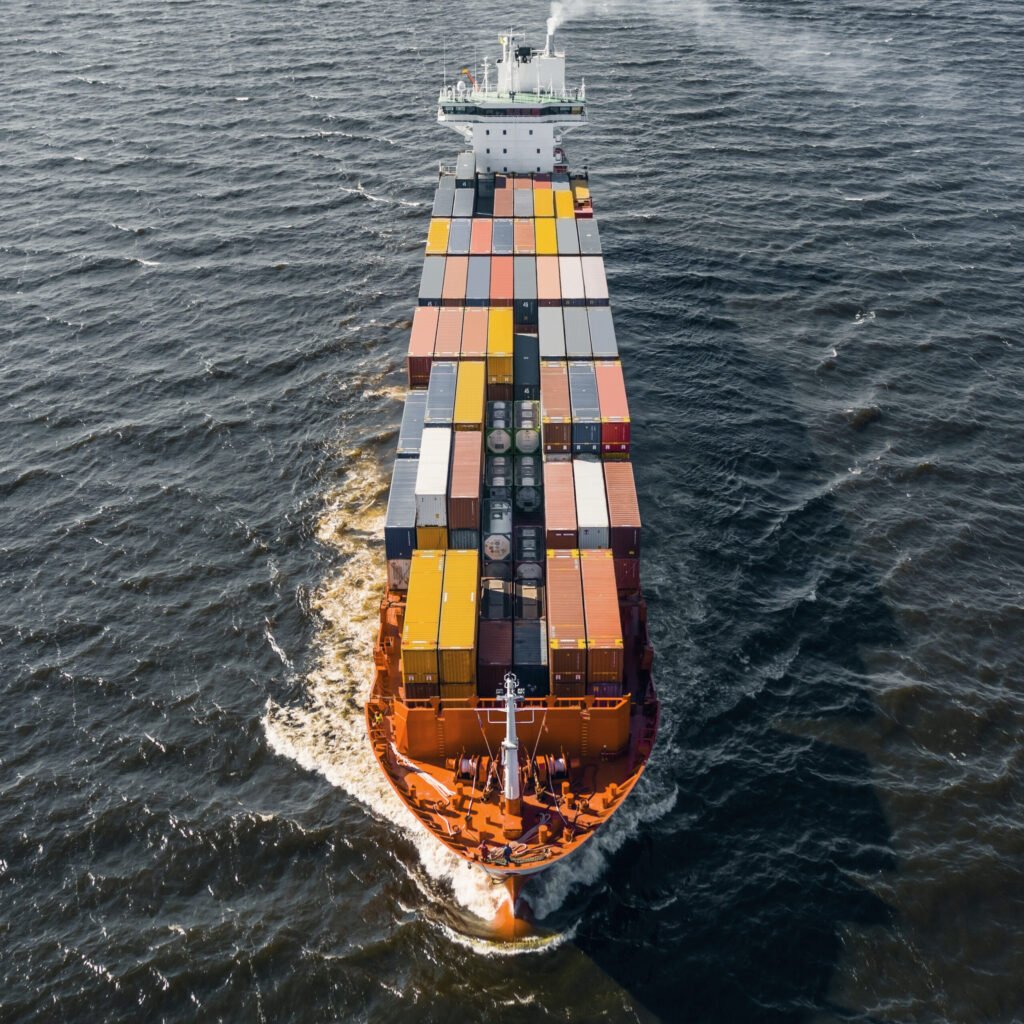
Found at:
(510, 745)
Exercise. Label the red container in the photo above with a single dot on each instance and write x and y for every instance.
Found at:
(448, 341)
(567, 638)
(627, 574)
(503, 202)
(555, 407)
(494, 655)
(453, 292)
(501, 280)
(601, 611)
(542, 181)
(480, 237)
(464, 482)
(559, 506)
(611, 397)
(549, 291)
(474, 333)
(623, 510)
(421, 345)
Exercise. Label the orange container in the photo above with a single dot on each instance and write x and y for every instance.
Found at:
(524, 242)
(567, 637)
(623, 509)
(448, 341)
(555, 408)
(559, 506)
(421, 345)
(601, 616)
(549, 292)
(464, 485)
(480, 237)
(611, 397)
(503, 202)
(474, 333)
(453, 292)
(501, 280)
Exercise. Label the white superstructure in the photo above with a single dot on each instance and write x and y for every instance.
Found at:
(517, 123)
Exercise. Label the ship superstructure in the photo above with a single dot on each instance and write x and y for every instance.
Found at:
(513, 707)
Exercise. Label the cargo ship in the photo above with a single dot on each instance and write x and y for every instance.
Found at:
(513, 708)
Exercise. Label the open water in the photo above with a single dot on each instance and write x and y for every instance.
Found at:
(213, 218)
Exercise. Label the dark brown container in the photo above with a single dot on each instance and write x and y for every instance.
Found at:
(560, 506)
(555, 407)
(567, 638)
(627, 574)
(464, 482)
(569, 688)
(420, 691)
(421, 345)
(623, 509)
(494, 656)
(499, 392)
(601, 614)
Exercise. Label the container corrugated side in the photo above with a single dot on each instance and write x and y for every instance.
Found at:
(432, 477)
(560, 506)
(577, 333)
(421, 345)
(549, 289)
(494, 656)
(458, 626)
(556, 410)
(448, 340)
(458, 236)
(441, 394)
(591, 505)
(611, 396)
(437, 236)
(530, 654)
(601, 615)
(623, 509)
(500, 335)
(551, 331)
(470, 394)
(411, 430)
(400, 519)
(567, 638)
(474, 333)
(422, 620)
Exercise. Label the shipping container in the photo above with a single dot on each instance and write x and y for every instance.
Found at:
(465, 200)
(464, 486)
(497, 600)
(525, 242)
(478, 281)
(502, 242)
(522, 181)
(441, 395)
(577, 333)
(463, 540)
(400, 519)
(499, 430)
(480, 237)
(398, 573)
(570, 272)
(432, 280)
(560, 506)
(526, 368)
(543, 202)
(453, 291)
(457, 631)
(530, 544)
(465, 170)
(623, 510)
(528, 484)
(529, 600)
(586, 411)
(601, 615)
(422, 618)
(522, 204)
(549, 291)
(564, 205)
(602, 332)
(444, 203)
(421, 345)
(551, 332)
(432, 477)
(458, 235)
(469, 397)
(611, 396)
(496, 528)
(411, 430)
(474, 333)
(546, 237)
(627, 574)
(568, 238)
(530, 572)
(590, 239)
(448, 340)
(494, 656)
(431, 538)
(567, 638)
(527, 423)
(437, 236)
(530, 656)
(497, 570)
(501, 281)
(591, 504)
(594, 283)
(504, 205)
(524, 277)
(556, 410)
(499, 345)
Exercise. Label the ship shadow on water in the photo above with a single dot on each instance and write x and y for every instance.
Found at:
(732, 907)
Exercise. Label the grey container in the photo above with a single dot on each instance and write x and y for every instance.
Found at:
(446, 182)
(529, 492)
(530, 656)
(551, 332)
(577, 333)
(464, 540)
(432, 280)
(524, 277)
(400, 520)
(526, 367)
(568, 239)
(465, 171)
(498, 428)
(499, 471)
(522, 202)
(444, 203)
(465, 199)
(458, 236)
(602, 332)
(411, 432)
(529, 544)
(560, 181)
(502, 235)
(590, 238)
(525, 313)
(441, 395)
(527, 421)
(497, 531)
(478, 281)
(586, 413)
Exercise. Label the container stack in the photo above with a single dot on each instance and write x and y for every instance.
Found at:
(513, 526)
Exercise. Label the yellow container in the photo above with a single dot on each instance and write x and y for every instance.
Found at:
(500, 332)
(437, 236)
(432, 538)
(547, 236)
(563, 204)
(457, 633)
(581, 192)
(470, 395)
(543, 202)
(422, 618)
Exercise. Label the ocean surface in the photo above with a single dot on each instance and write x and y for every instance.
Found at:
(213, 220)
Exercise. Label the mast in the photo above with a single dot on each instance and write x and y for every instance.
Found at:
(512, 694)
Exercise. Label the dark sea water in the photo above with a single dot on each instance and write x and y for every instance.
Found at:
(213, 219)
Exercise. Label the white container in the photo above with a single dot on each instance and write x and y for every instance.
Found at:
(398, 573)
(571, 272)
(594, 282)
(591, 504)
(551, 332)
(432, 477)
